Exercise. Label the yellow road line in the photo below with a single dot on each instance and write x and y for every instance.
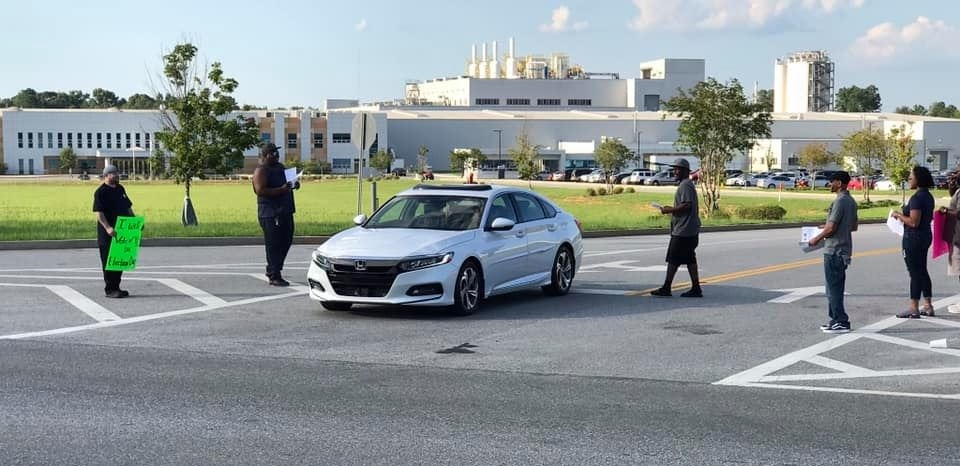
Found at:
(725, 277)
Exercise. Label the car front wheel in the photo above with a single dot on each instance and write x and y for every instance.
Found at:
(336, 305)
(468, 291)
(561, 274)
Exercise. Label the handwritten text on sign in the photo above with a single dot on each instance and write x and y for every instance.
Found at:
(125, 247)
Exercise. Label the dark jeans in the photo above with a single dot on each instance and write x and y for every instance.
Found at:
(835, 273)
(915, 256)
(111, 280)
(277, 238)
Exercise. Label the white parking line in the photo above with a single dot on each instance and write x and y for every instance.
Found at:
(85, 304)
(191, 291)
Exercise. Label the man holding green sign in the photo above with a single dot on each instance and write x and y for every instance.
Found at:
(118, 251)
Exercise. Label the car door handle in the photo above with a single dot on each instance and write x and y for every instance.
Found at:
(552, 227)
(521, 234)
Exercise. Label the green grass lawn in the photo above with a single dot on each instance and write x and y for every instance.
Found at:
(62, 210)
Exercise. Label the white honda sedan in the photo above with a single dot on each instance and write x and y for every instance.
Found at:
(435, 245)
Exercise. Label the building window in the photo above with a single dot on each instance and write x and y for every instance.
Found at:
(265, 138)
(118, 141)
(518, 101)
(342, 164)
(318, 140)
(548, 101)
(79, 140)
(99, 140)
(59, 140)
(89, 140)
(50, 140)
(136, 139)
(487, 101)
(69, 139)
(146, 140)
(20, 140)
(29, 140)
(582, 102)
(40, 140)
(128, 140)
(651, 102)
(291, 140)
(109, 140)
(341, 138)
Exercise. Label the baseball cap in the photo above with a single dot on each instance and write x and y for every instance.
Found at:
(110, 169)
(268, 149)
(681, 163)
(843, 176)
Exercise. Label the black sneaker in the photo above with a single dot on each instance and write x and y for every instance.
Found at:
(826, 326)
(837, 327)
(279, 282)
(115, 294)
(661, 292)
(697, 293)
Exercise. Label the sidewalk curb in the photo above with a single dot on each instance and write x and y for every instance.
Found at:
(317, 240)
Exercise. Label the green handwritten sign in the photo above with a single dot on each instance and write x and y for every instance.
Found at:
(125, 247)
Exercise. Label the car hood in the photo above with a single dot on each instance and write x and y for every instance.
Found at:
(392, 243)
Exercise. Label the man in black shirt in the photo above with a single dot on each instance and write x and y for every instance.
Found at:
(109, 202)
(275, 210)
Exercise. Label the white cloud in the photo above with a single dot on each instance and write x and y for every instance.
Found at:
(560, 20)
(361, 26)
(886, 41)
(725, 14)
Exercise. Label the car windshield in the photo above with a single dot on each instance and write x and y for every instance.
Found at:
(429, 212)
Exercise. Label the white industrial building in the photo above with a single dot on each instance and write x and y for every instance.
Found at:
(803, 82)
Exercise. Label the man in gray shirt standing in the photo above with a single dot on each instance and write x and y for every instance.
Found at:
(684, 233)
(837, 250)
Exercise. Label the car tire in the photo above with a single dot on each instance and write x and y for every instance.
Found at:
(561, 273)
(771, 186)
(468, 291)
(336, 305)
(656, 183)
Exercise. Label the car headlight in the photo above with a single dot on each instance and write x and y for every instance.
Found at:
(322, 261)
(425, 262)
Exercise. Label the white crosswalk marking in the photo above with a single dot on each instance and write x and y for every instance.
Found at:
(191, 291)
(85, 304)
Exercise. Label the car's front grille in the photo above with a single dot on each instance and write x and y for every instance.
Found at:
(370, 279)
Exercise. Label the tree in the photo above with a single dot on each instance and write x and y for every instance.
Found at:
(381, 160)
(765, 97)
(141, 102)
(900, 157)
(26, 98)
(466, 159)
(525, 158)
(942, 110)
(915, 110)
(102, 98)
(815, 157)
(68, 159)
(158, 164)
(612, 156)
(196, 127)
(717, 120)
(862, 152)
(769, 159)
(422, 158)
(856, 99)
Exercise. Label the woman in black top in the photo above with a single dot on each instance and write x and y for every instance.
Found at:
(917, 236)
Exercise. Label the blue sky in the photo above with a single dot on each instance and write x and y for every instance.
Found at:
(301, 52)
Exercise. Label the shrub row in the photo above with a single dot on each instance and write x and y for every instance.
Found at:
(761, 212)
(603, 191)
(880, 203)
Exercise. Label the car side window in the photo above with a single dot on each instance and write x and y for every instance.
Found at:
(529, 207)
(501, 207)
(548, 209)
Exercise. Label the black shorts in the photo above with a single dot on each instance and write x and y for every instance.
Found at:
(682, 250)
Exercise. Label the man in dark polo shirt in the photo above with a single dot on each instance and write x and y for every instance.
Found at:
(684, 233)
(275, 208)
(109, 202)
(837, 251)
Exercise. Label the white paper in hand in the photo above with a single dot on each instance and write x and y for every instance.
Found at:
(291, 174)
(894, 224)
(807, 234)
(656, 205)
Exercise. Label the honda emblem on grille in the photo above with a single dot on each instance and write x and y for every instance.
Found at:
(360, 265)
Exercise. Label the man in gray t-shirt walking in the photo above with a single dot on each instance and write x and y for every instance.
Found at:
(837, 250)
(684, 233)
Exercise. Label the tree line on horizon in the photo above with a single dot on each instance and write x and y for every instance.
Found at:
(101, 98)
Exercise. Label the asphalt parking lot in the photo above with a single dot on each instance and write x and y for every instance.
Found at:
(743, 333)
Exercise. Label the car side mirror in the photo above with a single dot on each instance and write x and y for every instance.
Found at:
(502, 224)
(360, 219)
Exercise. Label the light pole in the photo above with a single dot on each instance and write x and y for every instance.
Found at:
(639, 152)
(500, 173)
